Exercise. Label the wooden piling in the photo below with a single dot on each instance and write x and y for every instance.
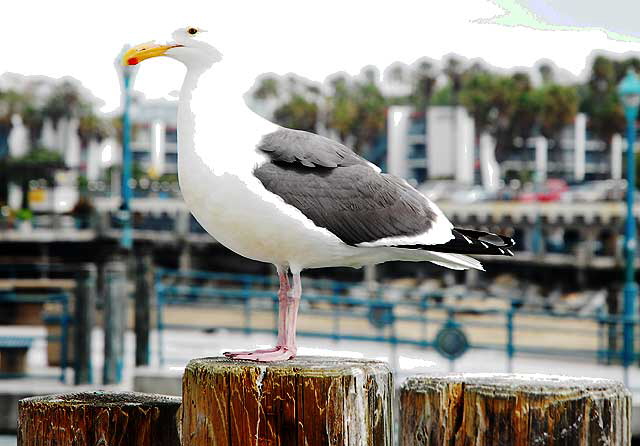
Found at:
(84, 320)
(309, 401)
(99, 418)
(144, 302)
(513, 409)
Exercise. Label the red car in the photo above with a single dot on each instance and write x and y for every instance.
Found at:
(552, 190)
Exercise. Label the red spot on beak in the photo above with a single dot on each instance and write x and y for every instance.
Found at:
(133, 61)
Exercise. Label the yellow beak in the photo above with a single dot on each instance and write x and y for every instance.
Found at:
(138, 53)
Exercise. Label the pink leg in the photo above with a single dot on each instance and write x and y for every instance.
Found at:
(288, 303)
(291, 318)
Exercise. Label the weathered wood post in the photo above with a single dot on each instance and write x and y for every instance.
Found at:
(513, 409)
(143, 304)
(99, 418)
(309, 401)
(84, 319)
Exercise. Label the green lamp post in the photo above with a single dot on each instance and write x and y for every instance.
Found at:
(629, 91)
(127, 75)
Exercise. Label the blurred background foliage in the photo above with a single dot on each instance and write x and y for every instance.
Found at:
(506, 105)
(65, 100)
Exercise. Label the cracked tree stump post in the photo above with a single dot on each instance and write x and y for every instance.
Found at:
(99, 418)
(513, 409)
(308, 401)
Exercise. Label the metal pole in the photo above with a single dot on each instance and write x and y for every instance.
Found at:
(85, 304)
(114, 321)
(126, 239)
(630, 287)
(510, 346)
(143, 303)
(64, 337)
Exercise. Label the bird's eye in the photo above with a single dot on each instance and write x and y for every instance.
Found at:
(192, 31)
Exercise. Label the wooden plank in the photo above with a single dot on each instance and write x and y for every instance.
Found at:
(21, 313)
(308, 401)
(99, 418)
(30, 284)
(513, 409)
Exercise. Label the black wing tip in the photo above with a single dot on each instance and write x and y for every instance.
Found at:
(488, 237)
(467, 241)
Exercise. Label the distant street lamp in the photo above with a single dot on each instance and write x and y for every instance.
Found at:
(629, 91)
(127, 74)
(116, 270)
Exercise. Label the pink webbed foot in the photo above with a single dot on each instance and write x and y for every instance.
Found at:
(278, 353)
(250, 352)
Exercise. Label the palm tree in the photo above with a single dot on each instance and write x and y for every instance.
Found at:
(342, 110)
(268, 87)
(493, 102)
(370, 74)
(371, 120)
(606, 115)
(442, 96)
(38, 164)
(11, 102)
(477, 95)
(546, 73)
(424, 80)
(356, 111)
(33, 119)
(454, 70)
(65, 102)
(91, 127)
(599, 98)
(519, 112)
(558, 108)
(297, 113)
(603, 75)
(527, 108)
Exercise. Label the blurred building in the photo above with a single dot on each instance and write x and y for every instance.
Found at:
(63, 139)
(579, 156)
(435, 144)
(441, 143)
(154, 142)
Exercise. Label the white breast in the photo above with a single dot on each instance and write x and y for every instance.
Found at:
(239, 213)
(217, 137)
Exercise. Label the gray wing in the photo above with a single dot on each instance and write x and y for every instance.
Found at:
(339, 191)
(308, 149)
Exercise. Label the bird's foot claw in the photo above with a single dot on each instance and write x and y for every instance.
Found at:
(278, 353)
(251, 352)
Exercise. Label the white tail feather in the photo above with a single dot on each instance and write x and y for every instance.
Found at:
(454, 261)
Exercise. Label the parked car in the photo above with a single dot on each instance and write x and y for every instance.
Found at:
(551, 190)
(471, 194)
(593, 191)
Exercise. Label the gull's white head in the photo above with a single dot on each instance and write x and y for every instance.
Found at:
(189, 46)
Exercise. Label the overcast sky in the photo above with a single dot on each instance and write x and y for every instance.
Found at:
(312, 38)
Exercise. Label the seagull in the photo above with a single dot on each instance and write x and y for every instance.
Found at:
(292, 198)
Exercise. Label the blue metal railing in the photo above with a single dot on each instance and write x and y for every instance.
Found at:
(63, 319)
(421, 316)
